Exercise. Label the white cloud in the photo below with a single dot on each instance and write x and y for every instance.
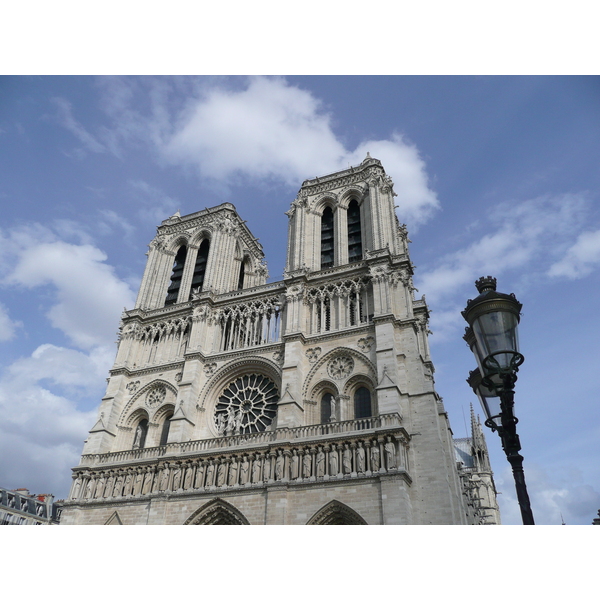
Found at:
(271, 129)
(89, 295)
(8, 327)
(255, 128)
(580, 259)
(42, 431)
(553, 497)
(520, 233)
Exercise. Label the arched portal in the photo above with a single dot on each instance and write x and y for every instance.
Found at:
(336, 513)
(217, 512)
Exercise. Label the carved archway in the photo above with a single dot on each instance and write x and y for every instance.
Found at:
(336, 513)
(217, 512)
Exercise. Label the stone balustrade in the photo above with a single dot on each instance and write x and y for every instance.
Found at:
(284, 434)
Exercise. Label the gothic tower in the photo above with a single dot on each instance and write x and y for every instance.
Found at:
(305, 401)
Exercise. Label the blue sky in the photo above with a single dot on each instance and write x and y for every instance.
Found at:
(494, 175)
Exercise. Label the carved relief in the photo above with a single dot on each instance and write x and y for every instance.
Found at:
(132, 386)
(210, 368)
(313, 354)
(366, 343)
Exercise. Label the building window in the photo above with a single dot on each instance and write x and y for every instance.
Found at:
(241, 277)
(173, 290)
(354, 234)
(141, 431)
(200, 266)
(362, 403)
(327, 406)
(327, 239)
(164, 434)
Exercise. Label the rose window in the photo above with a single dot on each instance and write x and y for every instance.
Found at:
(156, 395)
(340, 367)
(247, 405)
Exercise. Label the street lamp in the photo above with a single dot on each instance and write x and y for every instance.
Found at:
(493, 338)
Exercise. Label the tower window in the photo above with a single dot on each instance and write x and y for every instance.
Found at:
(241, 277)
(173, 290)
(164, 434)
(362, 403)
(200, 266)
(354, 233)
(327, 238)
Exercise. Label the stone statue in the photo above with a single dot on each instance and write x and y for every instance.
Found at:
(221, 424)
(76, 489)
(267, 468)
(256, 469)
(176, 478)
(128, 484)
(320, 463)
(88, 488)
(374, 457)
(244, 467)
(109, 487)
(187, 483)
(230, 428)
(295, 465)
(118, 486)
(347, 460)
(233, 472)
(279, 464)
(210, 474)
(390, 454)
(221, 474)
(139, 480)
(199, 481)
(137, 440)
(147, 482)
(238, 422)
(333, 462)
(164, 479)
(100, 487)
(306, 465)
(360, 458)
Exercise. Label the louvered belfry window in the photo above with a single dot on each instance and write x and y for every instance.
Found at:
(327, 239)
(326, 408)
(354, 237)
(173, 290)
(200, 267)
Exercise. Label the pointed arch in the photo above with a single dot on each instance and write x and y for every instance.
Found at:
(114, 519)
(336, 513)
(217, 512)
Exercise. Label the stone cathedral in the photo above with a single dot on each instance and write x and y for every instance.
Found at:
(306, 401)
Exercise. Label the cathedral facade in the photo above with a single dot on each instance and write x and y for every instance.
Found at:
(310, 400)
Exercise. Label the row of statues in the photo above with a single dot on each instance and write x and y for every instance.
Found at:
(308, 463)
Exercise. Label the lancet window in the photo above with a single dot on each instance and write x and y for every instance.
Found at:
(242, 275)
(251, 324)
(176, 276)
(164, 433)
(327, 240)
(362, 403)
(200, 266)
(354, 233)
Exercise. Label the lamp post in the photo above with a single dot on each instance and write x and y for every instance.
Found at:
(492, 337)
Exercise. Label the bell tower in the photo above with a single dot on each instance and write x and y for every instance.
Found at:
(309, 400)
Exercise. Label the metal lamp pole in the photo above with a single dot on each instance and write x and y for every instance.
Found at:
(492, 336)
